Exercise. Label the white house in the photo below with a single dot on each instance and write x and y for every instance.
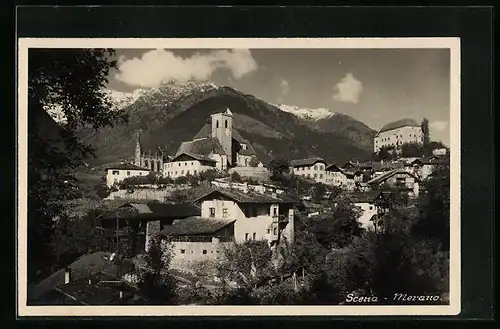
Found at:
(397, 177)
(366, 202)
(311, 168)
(397, 133)
(335, 176)
(188, 164)
(117, 173)
(228, 216)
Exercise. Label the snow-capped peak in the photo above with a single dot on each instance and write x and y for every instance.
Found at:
(306, 113)
(122, 99)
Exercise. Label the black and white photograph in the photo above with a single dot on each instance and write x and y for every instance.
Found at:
(175, 176)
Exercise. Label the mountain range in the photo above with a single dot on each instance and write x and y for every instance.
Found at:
(175, 112)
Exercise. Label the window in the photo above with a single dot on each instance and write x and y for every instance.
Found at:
(185, 163)
(268, 230)
(204, 251)
(146, 164)
(225, 124)
(224, 212)
(183, 251)
(275, 231)
(320, 175)
(140, 173)
(188, 172)
(182, 172)
(253, 235)
(179, 164)
(116, 172)
(275, 212)
(371, 207)
(246, 236)
(315, 167)
(212, 212)
(217, 124)
(195, 171)
(315, 175)
(128, 173)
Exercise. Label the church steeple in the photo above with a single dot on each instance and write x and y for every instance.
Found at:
(138, 152)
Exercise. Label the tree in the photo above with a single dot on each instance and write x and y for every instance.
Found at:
(278, 167)
(71, 82)
(425, 132)
(155, 282)
(236, 178)
(319, 192)
(384, 154)
(254, 162)
(338, 229)
(434, 205)
(410, 150)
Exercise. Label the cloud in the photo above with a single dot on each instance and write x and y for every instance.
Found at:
(348, 89)
(438, 125)
(158, 66)
(284, 89)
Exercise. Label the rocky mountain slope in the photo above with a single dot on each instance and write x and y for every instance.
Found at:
(175, 112)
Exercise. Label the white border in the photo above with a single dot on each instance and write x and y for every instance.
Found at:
(260, 43)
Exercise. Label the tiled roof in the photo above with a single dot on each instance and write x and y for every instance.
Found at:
(389, 174)
(248, 197)
(198, 157)
(203, 146)
(362, 197)
(100, 291)
(333, 167)
(399, 124)
(126, 166)
(206, 132)
(153, 210)
(97, 262)
(195, 226)
(306, 162)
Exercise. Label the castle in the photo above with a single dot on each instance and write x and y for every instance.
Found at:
(397, 133)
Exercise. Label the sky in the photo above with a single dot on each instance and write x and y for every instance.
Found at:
(374, 86)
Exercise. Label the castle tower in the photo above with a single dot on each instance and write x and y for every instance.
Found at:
(137, 161)
(222, 129)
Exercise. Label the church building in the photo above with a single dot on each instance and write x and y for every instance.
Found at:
(216, 146)
(152, 160)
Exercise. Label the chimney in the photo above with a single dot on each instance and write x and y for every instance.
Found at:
(67, 275)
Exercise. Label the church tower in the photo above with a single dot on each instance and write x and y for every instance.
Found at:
(137, 161)
(222, 129)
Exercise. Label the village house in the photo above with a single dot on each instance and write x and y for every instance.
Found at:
(218, 141)
(92, 279)
(397, 178)
(311, 168)
(196, 239)
(117, 173)
(397, 133)
(335, 176)
(424, 167)
(373, 205)
(188, 164)
(143, 219)
(229, 216)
